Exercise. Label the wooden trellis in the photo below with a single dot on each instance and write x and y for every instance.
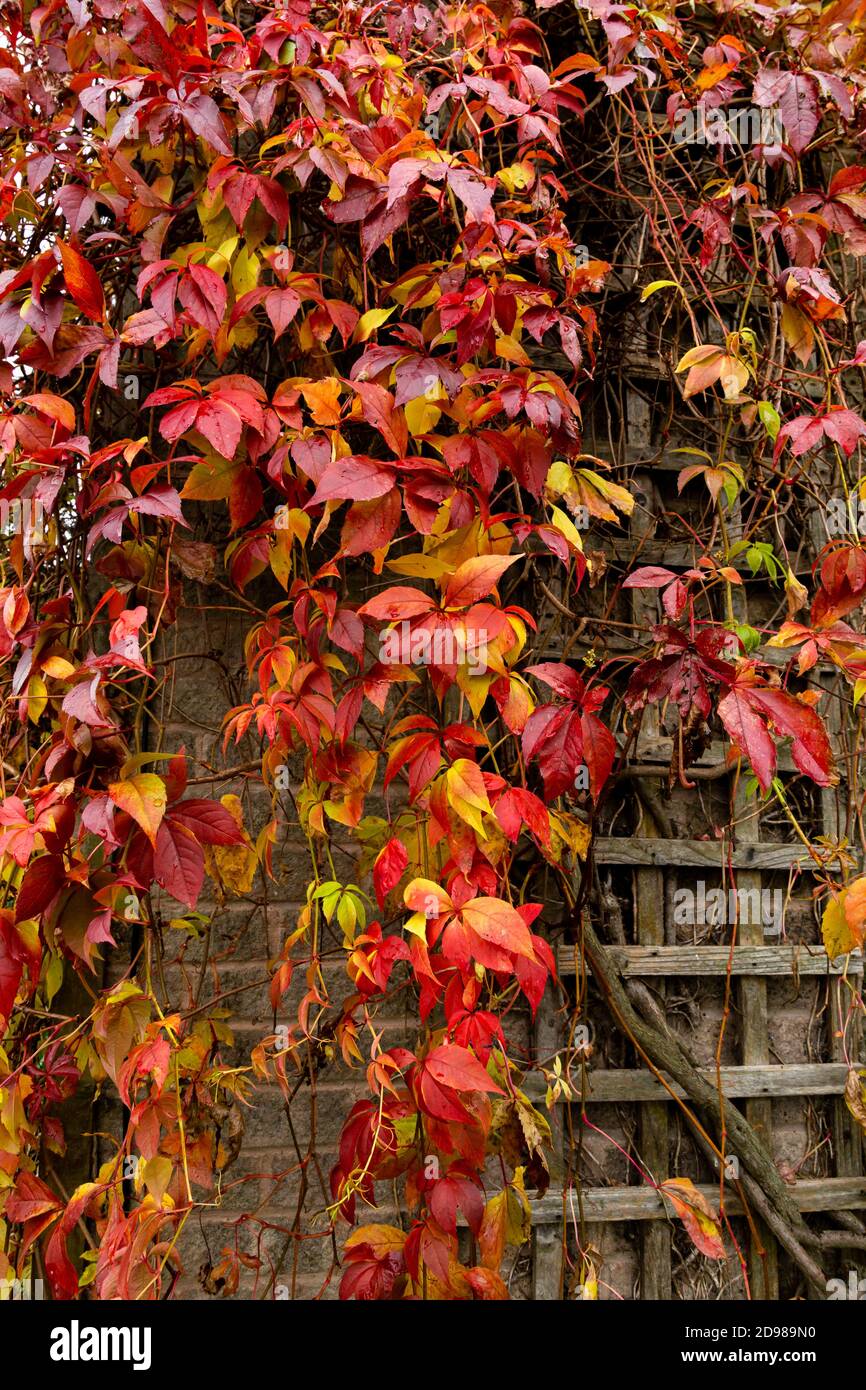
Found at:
(756, 1081)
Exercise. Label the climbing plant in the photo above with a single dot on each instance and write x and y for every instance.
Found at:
(294, 324)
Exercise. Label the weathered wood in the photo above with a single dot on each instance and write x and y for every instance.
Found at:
(738, 1083)
(789, 959)
(661, 1045)
(844, 1031)
(712, 855)
(649, 887)
(754, 1037)
(660, 750)
(645, 1204)
(547, 1261)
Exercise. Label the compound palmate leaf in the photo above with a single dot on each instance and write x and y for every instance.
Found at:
(750, 711)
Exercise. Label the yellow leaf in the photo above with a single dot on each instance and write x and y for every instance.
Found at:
(464, 783)
(617, 496)
(58, 667)
(516, 177)
(838, 936)
(416, 925)
(420, 566)
(559, 478)
(506, 1221)
(657, 285)
(733, 376)
(273, 142)
(704, 352)
(429, 899)
(508, 348)
(422, 415)
(566, 527)
(281, 557)
(136, 761)
(232, 866)
(212, 479)
(245, 272)
(53, 978)
(369, 322)
(797, 332)
(381, 1239)
(37, 698)
(156, 1173)
(142, 796)
(476, 688)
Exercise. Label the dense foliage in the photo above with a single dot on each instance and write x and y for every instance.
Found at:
(310, 267)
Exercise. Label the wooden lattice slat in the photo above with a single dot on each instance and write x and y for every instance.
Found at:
(793, 960)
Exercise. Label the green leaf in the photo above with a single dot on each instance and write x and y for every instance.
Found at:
(769, 417)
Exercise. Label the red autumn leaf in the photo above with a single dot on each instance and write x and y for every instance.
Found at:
(218, 421)
(374, 1262)
(486, 1284)
(82, 282)
(748, 711)
(371, 525)
(391, 605)
(388, 868)
(430, 1246)
(459, 1189)
(843, 427)
(649, 577)
(178, 862)
(561, 678)
(85, 703)
(203, 294)
(30, 1198)
(562, 740)
(517, 807)
(380, 411)
(62, 1278)
(355, 479)
(796, 96)
(208, 821)
(11, 966)
(456, 1068)
(532, 975)
(42, 882)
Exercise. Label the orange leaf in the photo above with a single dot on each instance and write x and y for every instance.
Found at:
(54, 406)
(500, 924)
(855, 909)
(697, 1216)
(475, 578)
